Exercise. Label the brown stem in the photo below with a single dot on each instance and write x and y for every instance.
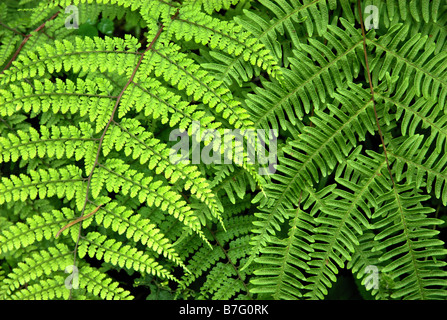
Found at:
(77, 220)
(101, 140)
(372, 91)
(25, 40)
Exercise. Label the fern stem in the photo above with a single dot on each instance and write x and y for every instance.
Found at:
(77, 220)
(25, 40)
(101, 140)
(368, 71)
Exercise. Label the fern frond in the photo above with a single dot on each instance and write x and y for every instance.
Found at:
(203, 259)
(101, 285)
(332, 142)
(184, 74)
(314, 75)
(65, 183)
(36, 228)
(84, 97)
(47, 289)
(233, 181)
(420, 64)
(135, 227)
(136, 141)
(419, 11)
(226, 36)
(37, 264)
(153, 99)
(92, 284)
(286, 16)
(342, 219)
(52, 142)
(96, 245)
(214, 5)
(231, 249)
(282, 260)
(230, 70)
(364, 262)
(423, 167)
(224, 280)
(406, 235)
(117, 176)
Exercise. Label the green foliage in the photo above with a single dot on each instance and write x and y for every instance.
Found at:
(86, 117)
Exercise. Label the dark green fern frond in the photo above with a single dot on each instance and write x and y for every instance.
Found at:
(280, 274)
(282, 17)
(411, 251)
(314, 75)
(421, 64)
(416, 10)
(423, 167)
